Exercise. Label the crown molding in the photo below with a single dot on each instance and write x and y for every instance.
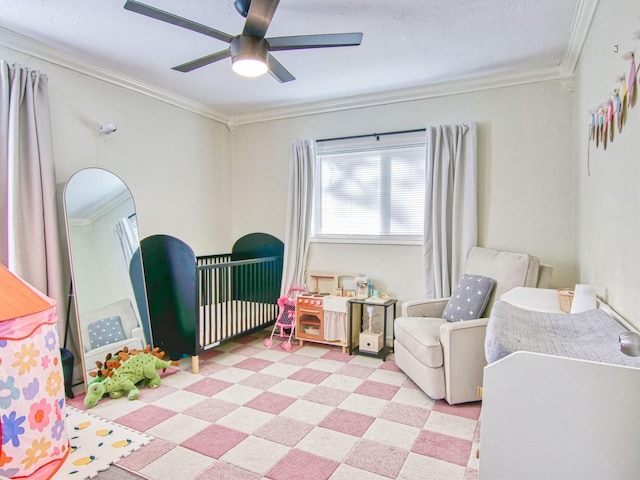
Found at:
(398, 96)
(585, 10)
(39, 50)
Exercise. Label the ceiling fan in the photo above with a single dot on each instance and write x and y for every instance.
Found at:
(249, 51)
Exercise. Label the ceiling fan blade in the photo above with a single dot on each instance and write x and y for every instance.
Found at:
(163, 16)
(259, 17)
(314, 41)
(278, 71)
(202, 61)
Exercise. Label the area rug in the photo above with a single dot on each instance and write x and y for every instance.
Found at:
(95, 444)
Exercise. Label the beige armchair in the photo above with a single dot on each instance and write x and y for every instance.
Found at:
(446, 359)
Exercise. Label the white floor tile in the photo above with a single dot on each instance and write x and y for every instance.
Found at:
(255, 454)
(415, 397)
(388, 376)
(392, 433)
(427, 468)
(245, 419)
(178, 428)
(312, 351)
(232, 374)
(328, 443)
(228, 359)
(325, 365)
(114, 408)
(366, 361)
(238, 394)
(272, 354)
(179, 463)
(283, 370)
(342, 382)
(347, 472)
(363, 404)
(181, 379)
(309, 412)
(179, 401)
(451, 425)
(292, 388)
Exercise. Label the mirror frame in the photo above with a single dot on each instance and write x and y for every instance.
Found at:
(99, 205)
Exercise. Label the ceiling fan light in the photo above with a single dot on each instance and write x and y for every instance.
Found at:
(249, 66)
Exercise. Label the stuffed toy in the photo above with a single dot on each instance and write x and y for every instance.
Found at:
(122, 374)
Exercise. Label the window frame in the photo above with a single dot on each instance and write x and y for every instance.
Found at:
(359, 145)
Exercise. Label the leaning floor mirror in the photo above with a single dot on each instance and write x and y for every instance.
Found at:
(108, 282)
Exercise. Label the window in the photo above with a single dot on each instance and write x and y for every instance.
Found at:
(370, 189)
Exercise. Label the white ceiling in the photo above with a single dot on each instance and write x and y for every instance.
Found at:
(408, 46)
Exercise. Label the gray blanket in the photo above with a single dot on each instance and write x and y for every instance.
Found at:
(591, 335)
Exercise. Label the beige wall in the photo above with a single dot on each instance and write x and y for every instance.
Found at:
(177, 164)
(607, 217)
(525, 192)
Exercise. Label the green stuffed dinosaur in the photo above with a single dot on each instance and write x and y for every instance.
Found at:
(140, 368)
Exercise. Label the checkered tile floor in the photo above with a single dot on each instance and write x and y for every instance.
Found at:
(312, 413)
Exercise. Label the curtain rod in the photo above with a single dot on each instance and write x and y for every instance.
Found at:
(377, 135)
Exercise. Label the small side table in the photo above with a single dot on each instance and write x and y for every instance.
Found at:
(391, 302)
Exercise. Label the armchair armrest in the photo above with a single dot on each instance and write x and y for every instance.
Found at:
(464, 358)
(424, 308)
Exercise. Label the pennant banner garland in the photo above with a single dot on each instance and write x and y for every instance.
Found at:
(612, 114)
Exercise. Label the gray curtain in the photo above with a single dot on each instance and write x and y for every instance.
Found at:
(299, 211)
(451, 212)
(29, 242)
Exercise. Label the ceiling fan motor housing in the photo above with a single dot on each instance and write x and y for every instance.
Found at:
(246, 46)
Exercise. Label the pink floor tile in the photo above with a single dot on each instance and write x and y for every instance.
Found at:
(209, 354)
(377, 390)
(284, 430)
(298, 360)
(253, 364)
(390, 365)
(300, 465)
(326, 396)
(246, 339)
(209, 368)
(471, 474)
(224, 471)
(347, 422)
(210, 409)
(150, 395)
(358, 371)
(337, 355)
(261, 381)
(247, 350)
(377, 458)
(405, 414)
(144, 456)
(270, 402)
(214, 441)
(208, 386)
(443, 447)
(309, 375)
(146, 417)
(466, 410)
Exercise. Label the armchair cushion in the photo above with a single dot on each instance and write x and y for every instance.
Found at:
(469, 299)
(421, 336)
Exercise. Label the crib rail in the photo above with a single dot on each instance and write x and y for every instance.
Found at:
(236, 297)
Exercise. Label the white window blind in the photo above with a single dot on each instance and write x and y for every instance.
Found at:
(370, 188)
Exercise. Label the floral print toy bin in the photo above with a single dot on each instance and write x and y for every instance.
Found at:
(34, 439)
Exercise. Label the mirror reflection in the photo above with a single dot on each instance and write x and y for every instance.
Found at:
(108, 286)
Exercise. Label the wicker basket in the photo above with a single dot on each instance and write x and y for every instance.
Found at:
(565, 297)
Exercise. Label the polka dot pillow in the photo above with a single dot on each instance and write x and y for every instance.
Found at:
(105, 331)
(469, 298)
